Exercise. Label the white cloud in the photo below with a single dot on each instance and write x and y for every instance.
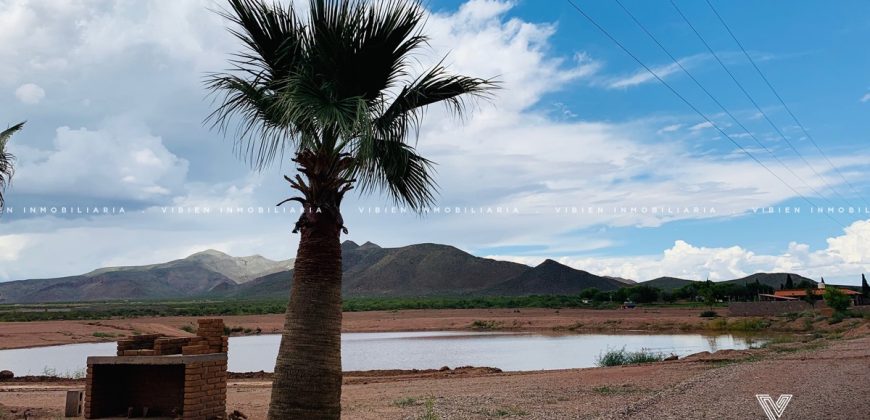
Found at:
(845, 258)
(643, 76)
(702, 126)
(118, 161)
(866, 97)
(670, 128)
(30, 93)
(514, 155)
(517, 52)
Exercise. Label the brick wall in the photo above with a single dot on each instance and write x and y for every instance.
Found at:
(205, 390)
(175, 377)
(770, 308)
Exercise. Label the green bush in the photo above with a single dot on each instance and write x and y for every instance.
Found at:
(623, 357)
(485, 325)
(836, 300)
(709, 314)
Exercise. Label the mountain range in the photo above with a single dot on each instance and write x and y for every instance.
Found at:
(369, 271)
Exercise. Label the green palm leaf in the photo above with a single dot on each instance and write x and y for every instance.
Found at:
(323, 84)
(7, 169)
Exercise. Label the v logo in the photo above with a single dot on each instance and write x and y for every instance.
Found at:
(773, 410)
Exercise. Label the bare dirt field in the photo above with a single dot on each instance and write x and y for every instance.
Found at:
(48, 333)
(828, 379)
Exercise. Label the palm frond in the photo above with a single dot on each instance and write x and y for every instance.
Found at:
(436, 86)
(358, 48)
(396, 167)
(407, 176)
(248, 93)
(324, 87)
(7, 160)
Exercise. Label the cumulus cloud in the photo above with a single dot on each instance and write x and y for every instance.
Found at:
(120, 161)
(845, 257)
(30, 93)
(516, 155)
(517, 52)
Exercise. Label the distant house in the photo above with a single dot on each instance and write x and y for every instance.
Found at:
(818, 293)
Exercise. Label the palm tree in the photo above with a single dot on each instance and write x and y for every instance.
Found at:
(336, 90)
(6, 161)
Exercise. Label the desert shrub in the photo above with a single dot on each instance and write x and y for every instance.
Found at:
(744, 324)
(837, 318)
(709, 314)
(485, 325)
(623, 357)
(405, 401)
(429, 410)
(836, 300)
(750, 324)
(791, 316)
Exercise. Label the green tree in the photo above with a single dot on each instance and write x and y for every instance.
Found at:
(810, 295)
(589, 293)
(709, 294)
(836, 299)
(335, 90)
(7, 160)
(804, 283)
(789, 283)
(865, 288)
(643, 294)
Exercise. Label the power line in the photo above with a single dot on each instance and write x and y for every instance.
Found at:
(751, 99)
(781, 101)
(693, 107)
(716, 101)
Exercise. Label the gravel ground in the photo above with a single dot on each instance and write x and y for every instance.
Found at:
(831, 381)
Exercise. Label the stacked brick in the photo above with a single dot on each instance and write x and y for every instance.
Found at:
(205, 390)
(202, 359)
(139, 345)
(209, 339)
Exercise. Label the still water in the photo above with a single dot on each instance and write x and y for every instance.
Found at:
(408, 350)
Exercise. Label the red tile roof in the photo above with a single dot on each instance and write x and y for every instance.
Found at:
(801, 293)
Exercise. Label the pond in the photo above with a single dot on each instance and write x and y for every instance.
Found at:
(408, 350)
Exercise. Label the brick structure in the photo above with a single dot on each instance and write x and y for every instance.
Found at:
(157, 376)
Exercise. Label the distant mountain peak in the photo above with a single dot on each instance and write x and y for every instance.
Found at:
(550, 263)
(349, 245)
(210, 253)
(369, 245)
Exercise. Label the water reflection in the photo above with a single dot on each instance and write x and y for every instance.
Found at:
(409, 350)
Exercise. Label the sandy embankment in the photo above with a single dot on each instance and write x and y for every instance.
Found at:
(828, 379)
(48, 333)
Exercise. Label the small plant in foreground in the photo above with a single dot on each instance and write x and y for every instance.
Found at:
(429, 410)
(623, 357)
(405, 401)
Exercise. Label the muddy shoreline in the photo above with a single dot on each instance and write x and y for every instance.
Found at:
(717, 385)
(15, 335)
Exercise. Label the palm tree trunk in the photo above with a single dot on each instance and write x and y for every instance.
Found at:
(307, 380)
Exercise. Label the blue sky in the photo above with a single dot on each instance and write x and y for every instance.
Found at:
(113, 95)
